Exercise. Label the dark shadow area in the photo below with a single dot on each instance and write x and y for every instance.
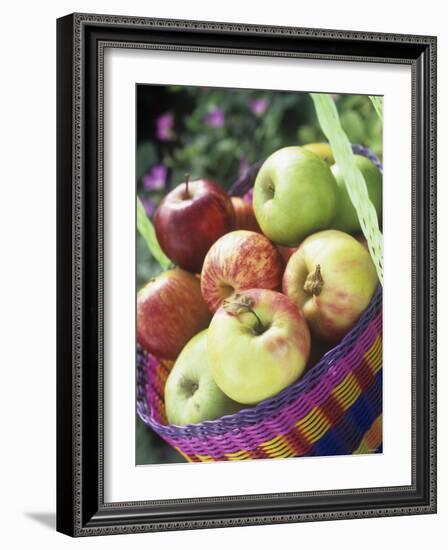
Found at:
(48, 519)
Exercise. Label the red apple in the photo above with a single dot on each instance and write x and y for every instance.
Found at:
(286, 251)
(332, 278)
(170, 311)
(190, 219)
(238, 261)
(244, 215)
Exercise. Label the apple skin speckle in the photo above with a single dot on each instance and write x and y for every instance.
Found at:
(240, 260)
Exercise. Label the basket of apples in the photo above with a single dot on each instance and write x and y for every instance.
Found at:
(265, 340)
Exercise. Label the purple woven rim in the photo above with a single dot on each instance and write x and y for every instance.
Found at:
(309, 388)
(365, 152)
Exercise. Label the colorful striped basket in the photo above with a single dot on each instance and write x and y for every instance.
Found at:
(334, 409)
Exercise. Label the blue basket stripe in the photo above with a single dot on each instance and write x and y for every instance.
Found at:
(346, 436)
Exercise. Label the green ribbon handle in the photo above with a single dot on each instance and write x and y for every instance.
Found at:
(328, 117)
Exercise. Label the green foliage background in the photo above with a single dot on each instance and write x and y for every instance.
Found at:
(240, 136)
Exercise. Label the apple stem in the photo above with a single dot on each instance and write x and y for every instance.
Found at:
(259, 328)
(187, 181)
(243, 304)
(314, 282)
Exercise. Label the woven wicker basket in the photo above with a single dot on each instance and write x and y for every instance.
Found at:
(334, 409)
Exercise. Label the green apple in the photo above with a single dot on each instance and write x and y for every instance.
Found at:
(332, 278)
(295, 195)
(258, 344)
(346, 218)
(191, 394)
(354, 126)
(322, 150)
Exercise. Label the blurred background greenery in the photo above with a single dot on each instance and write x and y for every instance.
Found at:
(218, 133)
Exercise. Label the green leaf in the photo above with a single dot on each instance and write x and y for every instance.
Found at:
(146, 230)
(378, 104)
(328, 117)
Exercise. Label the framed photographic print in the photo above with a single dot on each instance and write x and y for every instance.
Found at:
(246, 274)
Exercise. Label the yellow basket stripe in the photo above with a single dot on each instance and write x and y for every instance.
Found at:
(314, 425)
(372, 438)
(272, 442)
(315, 416)
(284, 450)
(318, 431)
(187, 457)
(238, 455)
(205, 458)
(275, 445)
(347, 392)
(362, 449)
(319, 425)
(278, 447)
(283, 453)
(374, 356)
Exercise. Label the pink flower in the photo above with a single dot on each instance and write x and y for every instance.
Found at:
(244, 166)
(249, 196)
(215, 118)
(164, 127)
(259, 106)
(155, 178)
(149, 206)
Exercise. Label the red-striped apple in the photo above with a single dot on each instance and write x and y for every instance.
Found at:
(170, 310)
(190, 219)
(238, 261)
(244, 215)
(258, 343)
(332, 278)
(286, 251)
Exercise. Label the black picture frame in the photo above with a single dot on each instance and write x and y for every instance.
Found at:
(81, 39)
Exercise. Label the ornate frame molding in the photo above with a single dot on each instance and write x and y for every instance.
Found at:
(81, 42)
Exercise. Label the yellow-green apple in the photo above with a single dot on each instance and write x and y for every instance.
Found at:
(258, 344)
(346, 218)
(190, 219)
(191, 394)
(238, 261)
(294, 195)
(322, 150)
(170, 310)
(332, 278)
(244, 215)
